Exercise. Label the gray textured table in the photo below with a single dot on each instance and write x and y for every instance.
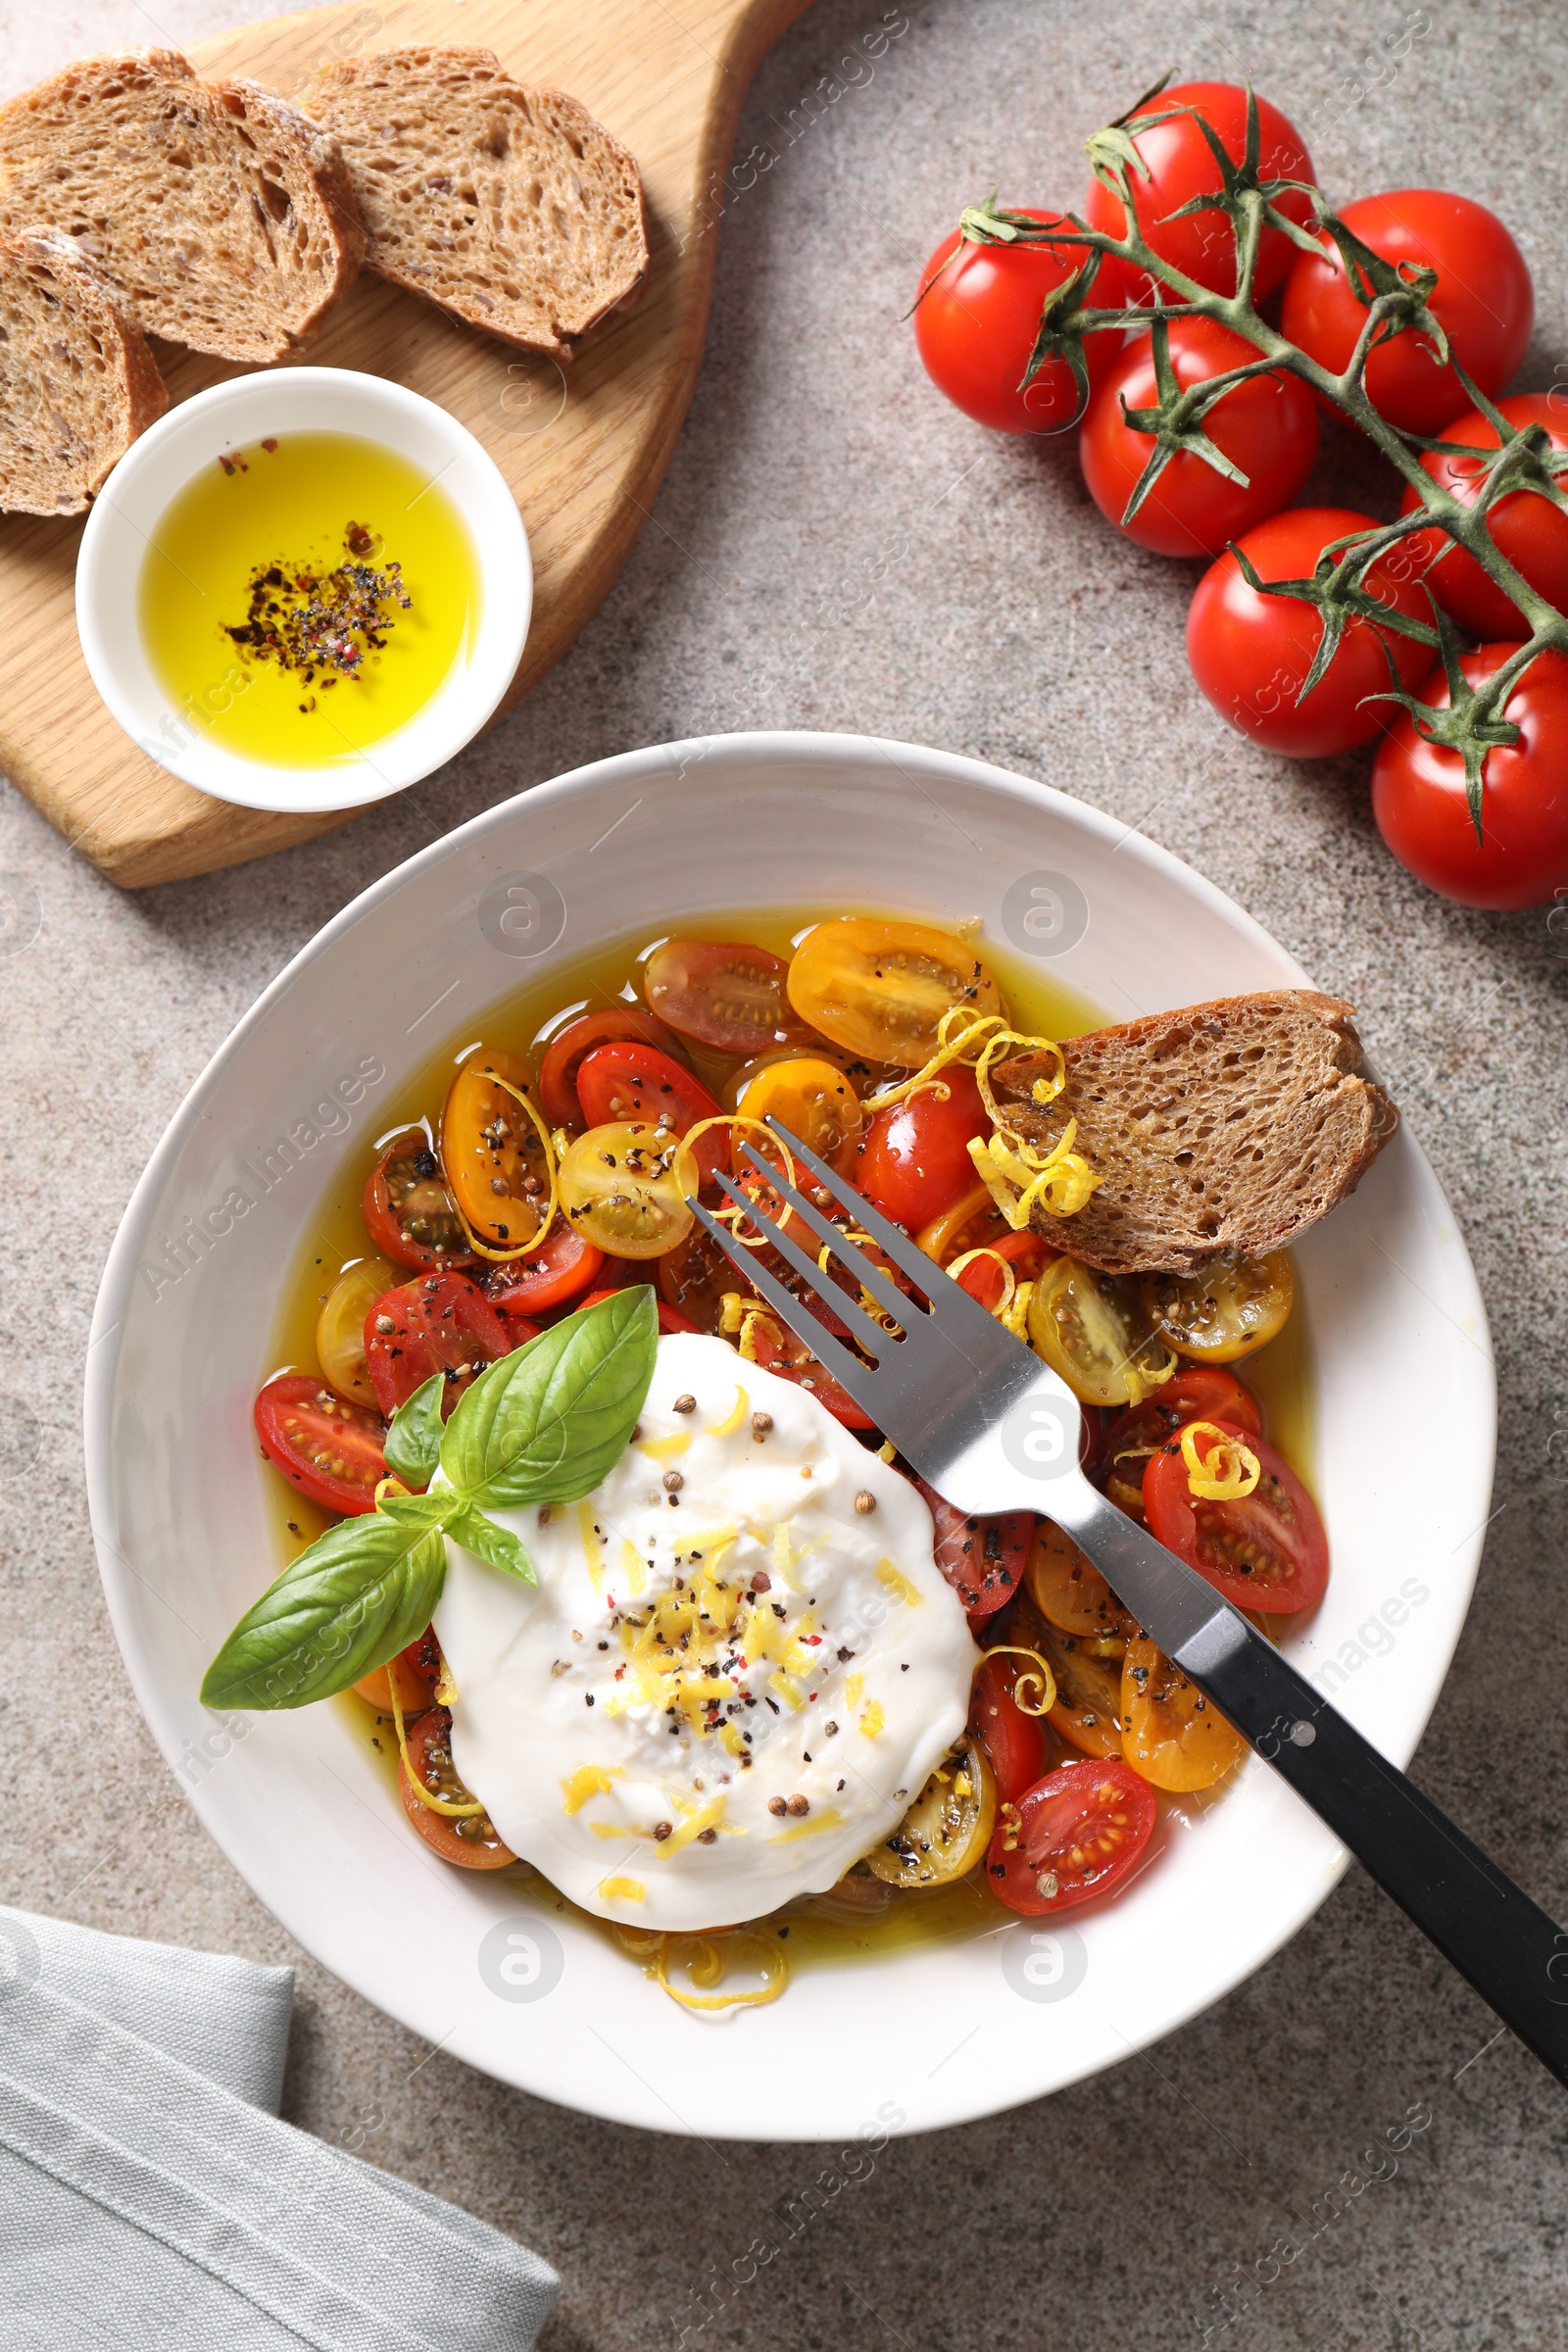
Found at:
(771, 590)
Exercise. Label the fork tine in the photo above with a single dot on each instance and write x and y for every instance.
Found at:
(952, 1307)
(885, 1292)
(851, 1374)
(866, 1332)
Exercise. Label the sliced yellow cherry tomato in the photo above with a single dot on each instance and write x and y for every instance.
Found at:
(969, 1224)
(948, 1827)
(492, 1153)
(1070, 1594)
(624, 1188)
(880, 989)
(1091, 1331)
(340, 1326)
(813, 1100)
(1232, 1306)
(1171, 1733)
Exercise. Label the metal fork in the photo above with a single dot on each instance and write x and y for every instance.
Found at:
(992, 1429)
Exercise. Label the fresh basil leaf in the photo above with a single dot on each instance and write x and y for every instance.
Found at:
(549, 1421)
(498, 1546)
(351, 1601)
(414, 1440)
(421, 1510)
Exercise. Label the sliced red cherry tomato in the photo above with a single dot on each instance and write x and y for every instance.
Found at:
(523, 1287)
(444, 1324)
(1077, 1833)
(1265, 1550)
(1181, 166)
(1015, 1742)
(915, 1162)
(1265, 425)
(724, 993)
(409, 1211)
(414, 1671)
(1196, 1393)
(982, 1277)
(670, 1317)
(557, 1072)
(469, 1839)
(976, 317)
(327, 1447)
(779, 1351)
(631, 1084)
(982, 1557)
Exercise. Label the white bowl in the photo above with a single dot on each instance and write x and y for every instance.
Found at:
(191, 437)
(1404, 1416)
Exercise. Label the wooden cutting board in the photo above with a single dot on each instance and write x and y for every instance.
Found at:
(583, 448)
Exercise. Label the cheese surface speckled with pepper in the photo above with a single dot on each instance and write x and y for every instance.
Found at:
(738, 1668)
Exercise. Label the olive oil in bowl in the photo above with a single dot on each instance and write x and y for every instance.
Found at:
(306, 594)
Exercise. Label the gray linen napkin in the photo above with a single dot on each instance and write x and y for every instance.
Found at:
(150, 2197)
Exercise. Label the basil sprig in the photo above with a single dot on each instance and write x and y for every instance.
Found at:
(544, 1424)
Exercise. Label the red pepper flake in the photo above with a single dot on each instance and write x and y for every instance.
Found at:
(269, 445)
(307, 621)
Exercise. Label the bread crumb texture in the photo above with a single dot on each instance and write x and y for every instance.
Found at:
(77, 383)
(217, 215)
(511, 208)
(1230, 1126)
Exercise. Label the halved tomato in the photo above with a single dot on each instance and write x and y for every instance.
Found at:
(523, 1287)
(1194, 1392)
(914, 1160)
(725, 994)
(779, 1351)
(983, 1277)
(1265, 1550)
(443, 1323)
(409, 1211)
(670, 1317)
(340, 1326)
(471, 1840)
(327, 1447)
(972, 1223)
(693, 1277)
(880, 989)
(1088, 1707)
(414, 1670)
(1228, 1309)
(624, 1188)
(627, 1084)
(1015, 1742)
(1171, 1733)
(1076, 1834)
(492, 1151)
(1095, 1335)
(982, 1557)
(814, 1100)
(567, 1052)
(947, 1830)
(1070, 1594)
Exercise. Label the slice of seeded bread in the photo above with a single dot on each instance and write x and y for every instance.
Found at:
(77, 383)
(1228, 1126)
(510, 206)
(219, 216)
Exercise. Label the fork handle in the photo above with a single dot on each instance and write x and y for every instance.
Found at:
(1514, 1955)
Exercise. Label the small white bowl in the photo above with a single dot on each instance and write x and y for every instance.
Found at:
(191, 437)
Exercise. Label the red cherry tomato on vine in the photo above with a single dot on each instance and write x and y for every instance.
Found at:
(1202, 246)
(327, 1447)
(1418, 794)
(913, 1162)
(1484, 302)
(975, 320)
(1265, 1550)
(1078, 1832)
(1267, 427)
(1525, 526)
(1250, 653)
(443, 1323)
